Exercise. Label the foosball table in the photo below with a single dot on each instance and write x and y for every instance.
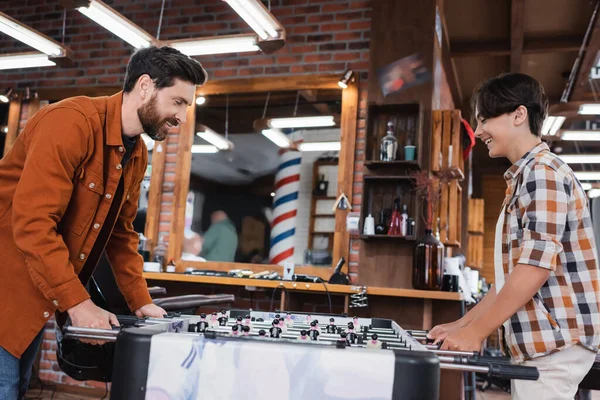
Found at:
(240, 354)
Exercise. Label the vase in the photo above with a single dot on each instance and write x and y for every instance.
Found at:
(428, 263)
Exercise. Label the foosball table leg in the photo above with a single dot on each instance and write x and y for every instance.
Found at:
(282, 301)
(347, 304)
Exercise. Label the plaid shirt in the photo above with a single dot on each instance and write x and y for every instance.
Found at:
(547, 224)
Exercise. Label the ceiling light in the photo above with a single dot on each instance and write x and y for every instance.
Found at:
(580, 158)
(589, 109)
(588, 176)
(215, 139)
(581, 135)
(277, 137)
(593, 193)
(552, 124)
(272, 194)
(5, 97)
(302, 122)
(117, 24)
(30, 37)
(24, 60)
(346, 78)
(200, 100)
(258, 17)
(586, 185)
(320, 146)
(216, 45)
(204, 149)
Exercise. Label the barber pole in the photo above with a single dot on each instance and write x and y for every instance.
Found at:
(285, 207)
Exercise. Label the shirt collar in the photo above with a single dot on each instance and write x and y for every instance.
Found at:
(517, 167)
(114, 129)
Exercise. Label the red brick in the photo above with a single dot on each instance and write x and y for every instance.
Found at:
(303, 68)
(332, 8)
(360, 25)
(262, 61)
(312, 58)
(346, 56)
(343, 36)
(331, 67)
(304, 49)
(360, 4)
(334, 27)
(222, 73)
(288, 59)
(303, 29)
(307, 10)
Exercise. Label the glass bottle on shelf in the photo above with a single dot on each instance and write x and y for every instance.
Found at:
(395, 223)
(428, 263)
(381, 228)
(389, 145)
(160, 253)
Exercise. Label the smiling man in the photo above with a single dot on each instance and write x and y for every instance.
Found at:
(546, 293)
(69, 190)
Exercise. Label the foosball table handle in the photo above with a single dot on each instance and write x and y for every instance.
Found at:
(514, 372)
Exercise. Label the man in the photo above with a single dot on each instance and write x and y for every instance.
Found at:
(221, 240)
(69, 190)
(546, 287)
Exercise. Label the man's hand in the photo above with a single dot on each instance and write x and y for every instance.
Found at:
(88, 315)
(440, 332)
(150, 310)
(463, 339)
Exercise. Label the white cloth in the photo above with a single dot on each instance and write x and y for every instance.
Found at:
(499, 277)
(560, 375)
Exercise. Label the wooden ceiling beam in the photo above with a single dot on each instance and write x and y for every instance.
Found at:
(517, 34)
(586, 60)
(467, 48)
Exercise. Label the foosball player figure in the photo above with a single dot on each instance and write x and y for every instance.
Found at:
(356, 324)
(289, 322)
(223, 318)
(317, 322)
(308, 319)
(344, 338)
(275, 330)
(262, 333)
(350, 333)
(331, 328)
(202, 325)
(313, 333)
(282, 325)
(212, 322)
(303, 335)
(248, 321)
(374, 343)
(246, 330)
(235, 330)
(239, 321)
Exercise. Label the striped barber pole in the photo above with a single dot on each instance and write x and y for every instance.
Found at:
(285, 207)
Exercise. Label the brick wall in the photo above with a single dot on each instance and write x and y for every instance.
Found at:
(323, 36)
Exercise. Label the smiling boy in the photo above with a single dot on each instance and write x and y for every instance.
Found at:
(546, 288)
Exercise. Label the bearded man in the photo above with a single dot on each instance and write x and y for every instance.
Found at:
(69, 190)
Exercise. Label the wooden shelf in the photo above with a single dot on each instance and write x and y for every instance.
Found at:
(456, 173)
(324, 198)
(386, 237)
(304, 286)
(324, 215)
(373, 164)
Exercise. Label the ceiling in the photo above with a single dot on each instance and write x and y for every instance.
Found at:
(254, 157)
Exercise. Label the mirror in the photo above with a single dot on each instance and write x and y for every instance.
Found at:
(267, 196)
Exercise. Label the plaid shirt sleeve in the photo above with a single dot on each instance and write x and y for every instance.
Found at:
(543, 205)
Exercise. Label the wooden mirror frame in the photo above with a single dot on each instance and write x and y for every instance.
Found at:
(341, 239)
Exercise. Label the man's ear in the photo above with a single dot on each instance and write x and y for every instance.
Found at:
(144, 84)
(520, 115)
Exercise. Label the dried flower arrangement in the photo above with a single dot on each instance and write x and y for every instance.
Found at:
(429, 188)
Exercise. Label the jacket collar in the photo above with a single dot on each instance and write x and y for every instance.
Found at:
(114, 125)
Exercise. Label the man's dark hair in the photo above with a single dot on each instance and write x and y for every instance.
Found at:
(163, 65)
(505, 93)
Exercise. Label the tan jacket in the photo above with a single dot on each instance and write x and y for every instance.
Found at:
(56, 187)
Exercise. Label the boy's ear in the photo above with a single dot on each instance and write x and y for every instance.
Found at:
(520, 115)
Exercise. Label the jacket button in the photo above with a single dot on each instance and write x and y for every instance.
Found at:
(92, 185)
(55, 302)
(96, 226)
(46, 314)
(119, 166)
(121, 149)
(127, 197)
(108, 196)
(82, 256)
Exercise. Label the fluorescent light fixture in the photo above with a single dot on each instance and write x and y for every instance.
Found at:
(588, 176)
(589, 109)
(24, 60)
(216, 45)
(302, 122)
(580, 158)
(590, 136)
(552, 124)
(277, 137)
(204, 149)
(258, 17)
(320, 146)
(586, 185)
(30, 37)
(117, 24)
(200, 100)
(215, 139)
(593, 193)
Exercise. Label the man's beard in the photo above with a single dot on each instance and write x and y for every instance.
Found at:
(152, 123)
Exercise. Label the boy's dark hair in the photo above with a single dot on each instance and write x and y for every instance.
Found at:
(505, 93)
(163, 65)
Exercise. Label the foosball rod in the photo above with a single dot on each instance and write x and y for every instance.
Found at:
(80, 336)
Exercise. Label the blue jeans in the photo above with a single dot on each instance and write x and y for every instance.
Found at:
(15, 373)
